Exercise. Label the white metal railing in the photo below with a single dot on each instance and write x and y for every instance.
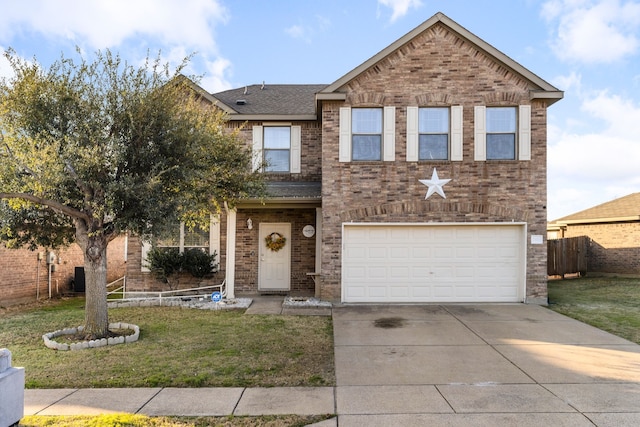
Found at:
(120, 289)
(198, 292)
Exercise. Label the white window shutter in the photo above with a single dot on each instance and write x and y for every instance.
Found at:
(389, 134)
(412, 134)
(145, 247)
(456, 133)
(257, 148)
(344, 154)
(296, 148)
(480, 133)
(524, 133)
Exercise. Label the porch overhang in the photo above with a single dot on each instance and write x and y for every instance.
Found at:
(286, 194)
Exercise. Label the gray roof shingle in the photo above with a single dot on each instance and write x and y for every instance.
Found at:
(272, 99)
(294, 189)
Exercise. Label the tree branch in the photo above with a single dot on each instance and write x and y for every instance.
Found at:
(56, 206)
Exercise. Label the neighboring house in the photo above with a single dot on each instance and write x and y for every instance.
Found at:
(25, 275)
(613, 229)
(419, 176)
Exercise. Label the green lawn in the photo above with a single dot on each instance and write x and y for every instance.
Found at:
(178, 347)
(611, 304)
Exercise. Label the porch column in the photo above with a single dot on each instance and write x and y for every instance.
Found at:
(230, 269)
(318, 279)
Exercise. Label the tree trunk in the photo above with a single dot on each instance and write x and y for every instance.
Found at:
(94, 246)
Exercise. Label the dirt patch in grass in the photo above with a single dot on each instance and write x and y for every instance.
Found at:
(131, 420)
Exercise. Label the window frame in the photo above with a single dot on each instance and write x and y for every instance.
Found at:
(212, 247)
(266, 150)
(514, 125)
(379, 134)
(427, 133)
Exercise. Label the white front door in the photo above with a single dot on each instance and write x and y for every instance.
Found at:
(274, 268)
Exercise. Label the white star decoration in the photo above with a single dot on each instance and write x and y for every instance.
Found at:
(435, 184)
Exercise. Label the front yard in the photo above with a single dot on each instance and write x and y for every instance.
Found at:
(178, 347)
(611, 304)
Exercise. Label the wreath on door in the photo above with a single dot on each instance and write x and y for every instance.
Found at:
(275, 241)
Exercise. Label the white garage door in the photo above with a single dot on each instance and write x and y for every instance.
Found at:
(433, 263)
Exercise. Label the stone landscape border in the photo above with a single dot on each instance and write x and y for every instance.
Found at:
(81, 345)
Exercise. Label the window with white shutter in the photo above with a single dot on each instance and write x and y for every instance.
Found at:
(367, 134)
(434, 133)
(277, 148)
(502, 133)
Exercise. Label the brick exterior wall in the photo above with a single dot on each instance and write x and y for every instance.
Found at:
(435, 69)
(247, 250)
(311, 150)
(21, 273)
(614, 247)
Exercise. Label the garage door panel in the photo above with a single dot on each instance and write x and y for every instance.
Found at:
(432, 263)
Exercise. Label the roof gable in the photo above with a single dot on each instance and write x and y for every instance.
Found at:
(623, 209)
(543, 90)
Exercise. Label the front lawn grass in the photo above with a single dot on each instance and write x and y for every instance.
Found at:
(178, 347)
(611, 304)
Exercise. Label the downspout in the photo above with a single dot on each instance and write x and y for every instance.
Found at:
(230, 269)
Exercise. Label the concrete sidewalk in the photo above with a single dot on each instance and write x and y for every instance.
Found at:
(182, 401)
(416, 365)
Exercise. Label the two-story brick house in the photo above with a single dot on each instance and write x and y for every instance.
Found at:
(419, 176)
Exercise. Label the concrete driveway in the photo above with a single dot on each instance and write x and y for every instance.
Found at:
(480, 365)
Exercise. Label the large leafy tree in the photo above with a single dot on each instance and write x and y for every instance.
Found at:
(90, 149)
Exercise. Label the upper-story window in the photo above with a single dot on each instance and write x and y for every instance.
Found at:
(366, 134)
(501, 133)
(434, 133)
(277, 148)
(433, 141)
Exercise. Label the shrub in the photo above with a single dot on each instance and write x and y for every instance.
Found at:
(168, 263)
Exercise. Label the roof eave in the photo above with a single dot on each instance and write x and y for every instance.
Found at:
(599, 220)
(280, 202)
(273, 117)
(550, 96)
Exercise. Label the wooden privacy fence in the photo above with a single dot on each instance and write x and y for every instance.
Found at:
(567, 256)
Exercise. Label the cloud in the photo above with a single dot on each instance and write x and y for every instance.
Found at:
(306, 32)
(590, 31)
(400, 7)
(295, 31)
(5, 69)
(178, 28)
(214, 79)
(101, 24)
(589, 168)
